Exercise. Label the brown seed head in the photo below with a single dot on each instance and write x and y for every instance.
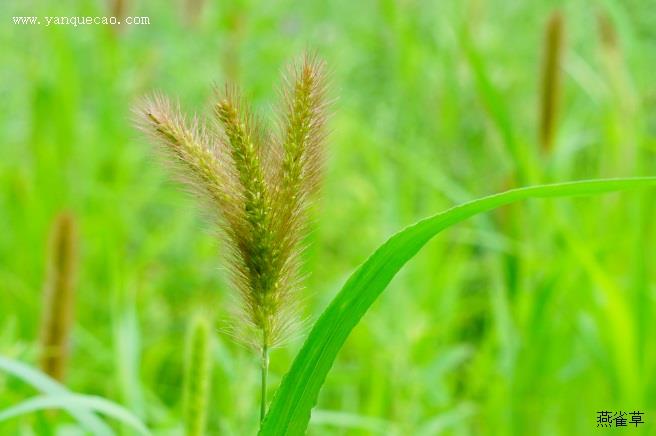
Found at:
(551, 79)
(607, 32)
(57, 315)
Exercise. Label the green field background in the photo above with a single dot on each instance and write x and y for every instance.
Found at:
(526, 321)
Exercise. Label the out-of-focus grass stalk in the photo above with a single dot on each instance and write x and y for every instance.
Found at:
(551, 79)
(525, 171)
(614, 61)
(118, 9)
(625, 128)
(230, 54)
(197, 376)
(193, 10)
(624, 102)
(57, 316)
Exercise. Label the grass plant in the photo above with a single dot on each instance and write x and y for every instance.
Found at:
(526, 319)
(258, 187)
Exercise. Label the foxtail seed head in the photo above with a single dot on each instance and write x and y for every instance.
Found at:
(259, 185)
(197, 376)
(551, 79)
(607, 32)
(57, 315)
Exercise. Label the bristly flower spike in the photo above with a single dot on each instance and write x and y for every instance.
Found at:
(259, 187)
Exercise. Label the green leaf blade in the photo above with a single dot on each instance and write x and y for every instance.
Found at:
(290, 409)
(72, 402)
(49, 386)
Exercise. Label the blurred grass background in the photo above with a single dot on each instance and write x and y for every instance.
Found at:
(528, 321)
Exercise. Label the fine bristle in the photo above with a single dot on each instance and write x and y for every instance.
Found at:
(551, 79)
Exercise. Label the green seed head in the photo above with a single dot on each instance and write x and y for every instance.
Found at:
(197, 376)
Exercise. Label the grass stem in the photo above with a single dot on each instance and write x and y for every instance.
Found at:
(265, 373)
